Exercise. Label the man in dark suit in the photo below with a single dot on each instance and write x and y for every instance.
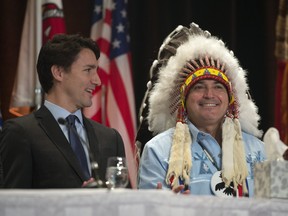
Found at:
(35, 151)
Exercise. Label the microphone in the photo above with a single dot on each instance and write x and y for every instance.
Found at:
(97, 183)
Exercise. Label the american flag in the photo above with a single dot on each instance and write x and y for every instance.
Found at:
(114, 102)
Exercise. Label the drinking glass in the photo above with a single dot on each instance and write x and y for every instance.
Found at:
(117, 173)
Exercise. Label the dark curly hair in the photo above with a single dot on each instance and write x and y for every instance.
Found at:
(62, 50)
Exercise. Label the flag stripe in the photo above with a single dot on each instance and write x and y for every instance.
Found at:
(125, 64)
(104, 60)
(118, 88)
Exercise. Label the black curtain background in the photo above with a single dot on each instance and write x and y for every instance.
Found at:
(246, 26)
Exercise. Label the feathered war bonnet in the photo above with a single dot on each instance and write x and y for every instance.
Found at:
(193, 54)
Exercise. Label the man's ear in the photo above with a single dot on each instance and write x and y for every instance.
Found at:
(57, 72)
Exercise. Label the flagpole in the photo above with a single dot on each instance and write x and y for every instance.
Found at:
(38, 36)
(103, 104)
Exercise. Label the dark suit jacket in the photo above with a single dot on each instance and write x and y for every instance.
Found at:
(36, 154)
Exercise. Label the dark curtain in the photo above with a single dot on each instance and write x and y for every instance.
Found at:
(247, 27)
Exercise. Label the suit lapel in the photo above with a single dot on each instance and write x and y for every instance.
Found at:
(55, 134)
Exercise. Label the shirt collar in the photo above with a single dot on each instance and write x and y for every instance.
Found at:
(194, 131)
(59, 112)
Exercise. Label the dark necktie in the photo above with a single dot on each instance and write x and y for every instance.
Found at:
(77, 145)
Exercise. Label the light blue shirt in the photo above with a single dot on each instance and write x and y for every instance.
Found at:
(155, 157)
(59, 112)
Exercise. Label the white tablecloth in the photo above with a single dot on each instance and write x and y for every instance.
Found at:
(125, 202)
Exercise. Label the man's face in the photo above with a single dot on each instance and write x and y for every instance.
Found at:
(81, 80)
(206, 103)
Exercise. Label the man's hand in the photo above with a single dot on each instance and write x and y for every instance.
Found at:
(85, 183)
(175, 190)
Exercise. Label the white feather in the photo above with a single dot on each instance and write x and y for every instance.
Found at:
(274, 147)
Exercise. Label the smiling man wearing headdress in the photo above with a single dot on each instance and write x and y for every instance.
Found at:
(204, 123)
